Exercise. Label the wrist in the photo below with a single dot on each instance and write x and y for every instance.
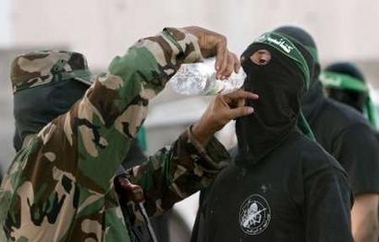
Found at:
(201, 133)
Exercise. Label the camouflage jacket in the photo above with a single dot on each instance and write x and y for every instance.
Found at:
(60, 185)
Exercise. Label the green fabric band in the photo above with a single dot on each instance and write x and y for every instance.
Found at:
(342, 82)
(286, 47)
(345, 82)
(303, 125)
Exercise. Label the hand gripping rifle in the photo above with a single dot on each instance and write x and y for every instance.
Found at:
(135, 194)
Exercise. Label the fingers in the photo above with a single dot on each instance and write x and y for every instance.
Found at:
(134, 192)
(228, 68)
(240, 112)
(232, 64)
(215, 44)
(237, 63)
(234, 104)
(222, 55)
(220, 111)
(240, 94)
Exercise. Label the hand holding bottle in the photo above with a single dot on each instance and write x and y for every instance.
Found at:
(214, 44)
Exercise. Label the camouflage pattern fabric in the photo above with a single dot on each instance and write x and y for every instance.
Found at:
(47, 67)
(59, 187)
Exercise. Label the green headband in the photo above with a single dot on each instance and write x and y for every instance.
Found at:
(286, 47)
(342, 81)
(345, 82)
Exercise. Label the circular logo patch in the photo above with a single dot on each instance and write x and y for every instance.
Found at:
(254, 215)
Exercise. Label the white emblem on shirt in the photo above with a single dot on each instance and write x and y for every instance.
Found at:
(254, 215)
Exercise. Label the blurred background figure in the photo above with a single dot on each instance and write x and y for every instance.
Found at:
(345, 83)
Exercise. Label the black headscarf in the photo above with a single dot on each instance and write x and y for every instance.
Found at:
(315, 93)
(281, 83)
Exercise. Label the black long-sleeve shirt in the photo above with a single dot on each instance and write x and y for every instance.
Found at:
(297, 193)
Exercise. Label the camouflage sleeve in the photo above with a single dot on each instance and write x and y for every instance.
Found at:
(176, 172)
(62, 180)
(113, 109)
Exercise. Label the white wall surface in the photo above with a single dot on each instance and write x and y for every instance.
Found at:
(5, 25)
(102, 29)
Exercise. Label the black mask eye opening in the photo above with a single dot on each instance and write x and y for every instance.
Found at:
(261, 57)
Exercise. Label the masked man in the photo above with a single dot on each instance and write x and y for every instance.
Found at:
(345, 83)
(346, 135)
(281, 186)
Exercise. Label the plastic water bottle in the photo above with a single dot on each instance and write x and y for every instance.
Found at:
(200, 79)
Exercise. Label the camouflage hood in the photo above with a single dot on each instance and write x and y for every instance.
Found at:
(45, 85)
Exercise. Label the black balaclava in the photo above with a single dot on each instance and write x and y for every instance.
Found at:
(280, 84)
(315, 93)
(36, 107)
(351, 97)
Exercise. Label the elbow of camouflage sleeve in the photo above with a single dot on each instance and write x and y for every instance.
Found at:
(185, 43)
